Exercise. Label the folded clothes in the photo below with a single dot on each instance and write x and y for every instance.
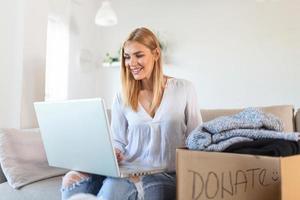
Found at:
(249, 118)
(267, 147)
(250, 124)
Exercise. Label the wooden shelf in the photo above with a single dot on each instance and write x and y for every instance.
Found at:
(113, 64)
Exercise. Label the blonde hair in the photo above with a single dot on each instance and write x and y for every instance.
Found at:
(132, 87)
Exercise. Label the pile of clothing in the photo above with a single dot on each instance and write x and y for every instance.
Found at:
(250, 132)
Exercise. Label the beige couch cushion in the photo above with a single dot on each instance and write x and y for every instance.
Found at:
(297, 120)
(284, 112)
(23, 158)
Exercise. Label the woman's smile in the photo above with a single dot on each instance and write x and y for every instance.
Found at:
(136, 70)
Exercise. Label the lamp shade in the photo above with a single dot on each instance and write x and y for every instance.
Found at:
(105, 15)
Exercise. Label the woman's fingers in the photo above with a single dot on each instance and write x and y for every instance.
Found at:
(119, 155)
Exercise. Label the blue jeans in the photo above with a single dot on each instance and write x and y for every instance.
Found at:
(160, 186)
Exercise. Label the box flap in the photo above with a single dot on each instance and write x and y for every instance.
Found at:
(290, 177)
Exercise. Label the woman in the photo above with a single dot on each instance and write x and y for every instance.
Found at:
(151, 117)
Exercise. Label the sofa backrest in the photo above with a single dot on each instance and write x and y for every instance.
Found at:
(297, 120)
(284, 112)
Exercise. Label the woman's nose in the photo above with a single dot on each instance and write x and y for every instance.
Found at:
(133, 61)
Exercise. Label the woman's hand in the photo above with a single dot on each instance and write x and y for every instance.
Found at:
(119, 154)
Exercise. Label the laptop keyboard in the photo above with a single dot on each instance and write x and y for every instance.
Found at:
(139, 170)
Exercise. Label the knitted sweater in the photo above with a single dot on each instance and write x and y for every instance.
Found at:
(248, 125)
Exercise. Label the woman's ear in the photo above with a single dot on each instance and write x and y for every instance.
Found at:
(156, 54)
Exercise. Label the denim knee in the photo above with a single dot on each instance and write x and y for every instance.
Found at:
(79, 186)
(160, 191)
(91, 185)
(160, 186)
(117, 188)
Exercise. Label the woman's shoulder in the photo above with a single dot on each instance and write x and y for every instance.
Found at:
(118, 97)
(178, 82)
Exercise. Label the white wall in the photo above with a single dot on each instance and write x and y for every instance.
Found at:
(11, 58)
(237, 53)
(22, 60)
(34, 51)
(72, 58)
(83, 67)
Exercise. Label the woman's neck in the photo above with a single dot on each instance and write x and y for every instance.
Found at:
(147, 84)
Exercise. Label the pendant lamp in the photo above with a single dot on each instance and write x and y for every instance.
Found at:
(106, 16)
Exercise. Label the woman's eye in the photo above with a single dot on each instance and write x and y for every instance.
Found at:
(139, 56)
(126, 57)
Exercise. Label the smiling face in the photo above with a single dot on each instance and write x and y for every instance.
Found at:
(275, 176)
(139, 59)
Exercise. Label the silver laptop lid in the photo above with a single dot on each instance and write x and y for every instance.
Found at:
(76, 135)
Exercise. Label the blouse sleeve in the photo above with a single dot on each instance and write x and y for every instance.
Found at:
(119, 124)
(192, 110)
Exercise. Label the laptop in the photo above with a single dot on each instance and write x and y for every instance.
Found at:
(76, 135)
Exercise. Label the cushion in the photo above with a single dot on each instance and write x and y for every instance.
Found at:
(284, 112)
(48, 189)
(297, 120)
(23, 159)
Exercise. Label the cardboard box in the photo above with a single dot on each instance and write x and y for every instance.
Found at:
(228, 176)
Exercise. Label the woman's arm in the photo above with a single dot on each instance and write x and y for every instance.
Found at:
(119, 125)
(192, 110)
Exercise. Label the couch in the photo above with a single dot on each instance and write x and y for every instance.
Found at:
(49, 188)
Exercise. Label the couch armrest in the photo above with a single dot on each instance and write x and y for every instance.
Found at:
(2, 177)
(297, 120)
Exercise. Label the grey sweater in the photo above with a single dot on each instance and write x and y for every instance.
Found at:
(250, 124)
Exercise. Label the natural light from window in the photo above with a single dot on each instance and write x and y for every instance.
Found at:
(57, 60)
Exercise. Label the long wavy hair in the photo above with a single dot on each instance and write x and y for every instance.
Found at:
(132, 87)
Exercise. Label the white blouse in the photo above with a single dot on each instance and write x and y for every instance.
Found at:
(153, 141)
